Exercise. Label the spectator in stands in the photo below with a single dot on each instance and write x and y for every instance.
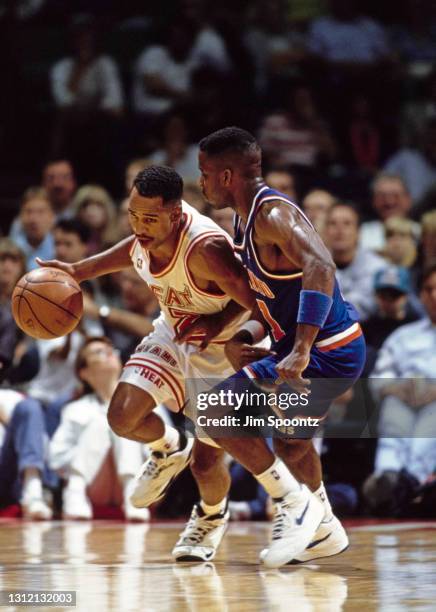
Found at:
(177, 150)
(392, 287)
(390, 198)
(95, 208)
(276, 47)
(417, 167)
(296, 135)
(400, 248)
(33, 233)
(355, 266)
(346, 38)
(194, 196)
(59, 180)
(22, 455)
(12, 267)
(71, 238)
(122, 222)
(133, 167)
(283, 181)
(98, 466)
(428, 240)
(317, 204)
(403, 381)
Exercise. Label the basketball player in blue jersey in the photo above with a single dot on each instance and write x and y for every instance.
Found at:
(315, 334)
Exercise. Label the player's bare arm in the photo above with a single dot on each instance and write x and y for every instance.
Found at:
(295, 245)
(112, 260)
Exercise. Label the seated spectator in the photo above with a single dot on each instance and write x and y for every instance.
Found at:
(417, 167)
(12, 268)
(346, 38)
(59, 180)
(317, 204)
(283, 181)
(133, 167)
(276, 47)
(177, 150)
(98, 465)
(95, 208)
(71, 238)
(428, 240)
(355, 266)
(194, 196)
(22, 455)
(394, 308)
(296, 135)
(400, 248)
(37, 218)
(390, 198)
(403, 382)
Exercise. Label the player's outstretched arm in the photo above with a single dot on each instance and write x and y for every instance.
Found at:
(112, 260)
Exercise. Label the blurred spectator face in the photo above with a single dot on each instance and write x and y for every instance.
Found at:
(135, 294)
(133, 168)
(428, 296)
(123, 219)
(316, 205)
(390, 198)
(224, 218)
(93, 214)
(101, 360)
(391, 302)
(282, 181)
(59, 181)
(400, 247)
(342, 230)
(37, 219)
(12, 265)
(69, 246)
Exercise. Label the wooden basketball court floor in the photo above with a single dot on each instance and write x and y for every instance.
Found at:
(120, 566)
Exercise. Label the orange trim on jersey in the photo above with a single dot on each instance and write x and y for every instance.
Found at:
(196, 240)
(161, 371)
(132, 248)
(342, 342)
(172, 263)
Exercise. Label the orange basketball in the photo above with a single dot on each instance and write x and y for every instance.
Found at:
(47, 303)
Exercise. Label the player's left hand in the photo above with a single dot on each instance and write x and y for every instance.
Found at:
(290, 371)
(206, 326)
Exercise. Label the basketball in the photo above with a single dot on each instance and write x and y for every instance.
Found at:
(47, 303)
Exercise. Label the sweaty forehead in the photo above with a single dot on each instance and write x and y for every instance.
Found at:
(147, 205)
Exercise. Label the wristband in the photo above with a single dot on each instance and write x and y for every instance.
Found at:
(314, 307)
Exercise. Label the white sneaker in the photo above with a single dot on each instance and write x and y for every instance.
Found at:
(202, 535)
(296, 519)
(76, 505)
(330, 539)
(36, 510)
(157, 474)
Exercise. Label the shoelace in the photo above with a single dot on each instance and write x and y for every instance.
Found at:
(281, 519)
(152, 468)
(194, 533)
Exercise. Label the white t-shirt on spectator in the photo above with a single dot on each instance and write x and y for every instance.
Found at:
(361, 41)
(416, 171)
(99, 86)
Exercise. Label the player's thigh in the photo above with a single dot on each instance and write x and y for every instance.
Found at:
(129, 405)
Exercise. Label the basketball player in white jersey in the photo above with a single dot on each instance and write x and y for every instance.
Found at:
(189, 263)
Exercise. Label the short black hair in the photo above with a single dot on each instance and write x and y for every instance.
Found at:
(228, 140)
(74, 226)
(425, 275)
(162, 181)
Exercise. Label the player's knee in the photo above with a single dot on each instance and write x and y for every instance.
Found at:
(119, 417)
(292, 449)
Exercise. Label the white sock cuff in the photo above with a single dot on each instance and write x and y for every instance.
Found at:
(216, 508)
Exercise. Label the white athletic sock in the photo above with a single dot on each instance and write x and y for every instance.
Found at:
(321, 494)
(32, 487)
(216, 509)
(169, 442)
(76, 483)
(277, 480)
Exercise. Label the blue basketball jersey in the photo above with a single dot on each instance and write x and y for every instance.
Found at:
(278, 294)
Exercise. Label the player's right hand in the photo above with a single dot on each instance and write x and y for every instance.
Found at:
(241, 354)
(55, 263)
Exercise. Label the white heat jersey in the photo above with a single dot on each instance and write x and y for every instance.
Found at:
(180, 300)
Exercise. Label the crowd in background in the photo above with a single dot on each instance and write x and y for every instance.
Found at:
(342, 97)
